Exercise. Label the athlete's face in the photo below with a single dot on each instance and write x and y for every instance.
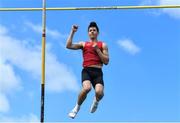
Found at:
(93, 33)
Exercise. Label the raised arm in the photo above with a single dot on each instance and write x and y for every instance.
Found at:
(69, 44)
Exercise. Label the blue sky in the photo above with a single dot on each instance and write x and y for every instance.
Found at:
(142, 80)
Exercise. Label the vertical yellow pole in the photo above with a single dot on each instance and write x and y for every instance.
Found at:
(43, 59)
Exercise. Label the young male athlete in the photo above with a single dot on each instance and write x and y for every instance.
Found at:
(95, 54)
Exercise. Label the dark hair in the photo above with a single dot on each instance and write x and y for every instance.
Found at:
(93, 24)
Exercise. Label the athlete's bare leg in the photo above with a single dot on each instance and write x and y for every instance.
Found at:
(82, 96)
(99, 93)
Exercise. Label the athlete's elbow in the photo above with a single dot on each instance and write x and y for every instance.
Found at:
(106, 61)
(68, 46)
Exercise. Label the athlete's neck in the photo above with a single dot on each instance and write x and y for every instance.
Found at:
(94, 40)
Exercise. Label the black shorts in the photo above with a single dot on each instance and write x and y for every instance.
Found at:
(94, 75)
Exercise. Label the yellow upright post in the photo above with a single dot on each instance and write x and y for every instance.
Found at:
(43, 59)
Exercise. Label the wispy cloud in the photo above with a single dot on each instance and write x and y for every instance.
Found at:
(30, 118)
(4, 103)
(58, 75)
(173, 12)
(129, 46)
(14, 53)
(50, 32)
(9, 81)
(3, 30)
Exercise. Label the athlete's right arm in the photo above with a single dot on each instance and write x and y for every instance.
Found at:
(69, 44)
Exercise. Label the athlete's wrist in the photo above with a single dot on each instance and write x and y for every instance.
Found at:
(98, 50)
(72, 32)
(96, 47)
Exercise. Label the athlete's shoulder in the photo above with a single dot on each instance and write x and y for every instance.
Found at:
(104, 45)
(102, 42)
(82, 43)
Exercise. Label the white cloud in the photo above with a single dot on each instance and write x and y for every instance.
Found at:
(24, 56)
(50, 32)
(173, 12)
(4, 103)
(129, 46)
(31, 118)
(58, 75)
(8, 79)
(149, 2)
(3, 30)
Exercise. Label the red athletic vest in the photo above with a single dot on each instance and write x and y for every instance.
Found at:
(90, 56)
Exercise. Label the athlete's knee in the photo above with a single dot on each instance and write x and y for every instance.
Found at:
(86, 89)
(86, 86)
(99, 93)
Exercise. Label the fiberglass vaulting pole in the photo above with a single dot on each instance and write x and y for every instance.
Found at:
(43, 59)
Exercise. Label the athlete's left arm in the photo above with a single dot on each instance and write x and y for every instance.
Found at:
(104, 55)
